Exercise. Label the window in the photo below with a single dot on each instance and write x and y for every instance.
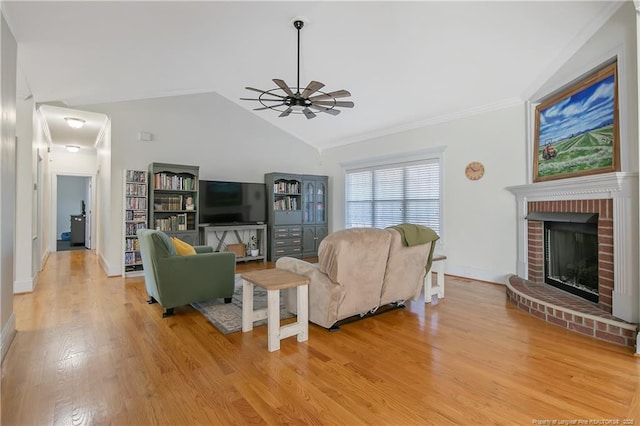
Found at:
(390, 194)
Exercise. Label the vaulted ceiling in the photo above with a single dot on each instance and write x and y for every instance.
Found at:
(406, 64)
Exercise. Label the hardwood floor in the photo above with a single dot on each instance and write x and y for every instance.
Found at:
(89, 350)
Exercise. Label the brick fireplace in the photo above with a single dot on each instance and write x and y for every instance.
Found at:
(535, 250)
(614, 198)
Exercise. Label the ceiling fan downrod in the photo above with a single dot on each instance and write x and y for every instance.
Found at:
(298, 26)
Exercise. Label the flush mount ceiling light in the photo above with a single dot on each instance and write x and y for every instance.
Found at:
(73, 148)
(76, 123)
(284, 100)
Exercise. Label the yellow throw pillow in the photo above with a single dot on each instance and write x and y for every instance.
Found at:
(182, 248)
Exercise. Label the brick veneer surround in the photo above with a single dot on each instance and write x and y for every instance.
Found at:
(535, 238)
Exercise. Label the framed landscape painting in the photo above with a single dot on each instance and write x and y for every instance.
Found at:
(576, 131)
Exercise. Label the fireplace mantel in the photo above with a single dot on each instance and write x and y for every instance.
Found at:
(622, 189)
(609, 185)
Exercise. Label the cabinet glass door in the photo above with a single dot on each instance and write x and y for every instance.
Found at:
(321, 209)
(308, 202)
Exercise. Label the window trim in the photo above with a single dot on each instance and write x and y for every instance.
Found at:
(436, 153)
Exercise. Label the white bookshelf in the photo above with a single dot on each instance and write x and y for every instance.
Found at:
(136, 202)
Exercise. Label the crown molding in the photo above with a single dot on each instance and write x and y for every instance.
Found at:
(429, 121)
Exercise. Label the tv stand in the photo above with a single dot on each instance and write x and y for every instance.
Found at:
(216, 237)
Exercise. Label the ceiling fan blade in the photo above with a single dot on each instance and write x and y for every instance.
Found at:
(257, 99)
(264, 91)
(286, 112)
(336, 94)
(312, 87)
(281, 84)
(268, 107)
(345, 104)
(308, 113)
(331, 111)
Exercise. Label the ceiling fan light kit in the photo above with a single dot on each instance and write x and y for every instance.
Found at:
(287, 101)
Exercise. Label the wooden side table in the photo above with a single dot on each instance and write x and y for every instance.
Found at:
(437, 266)
(273, 280)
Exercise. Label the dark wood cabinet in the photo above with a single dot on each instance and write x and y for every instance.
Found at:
(297, 207)
(173, 200)
(77, 229)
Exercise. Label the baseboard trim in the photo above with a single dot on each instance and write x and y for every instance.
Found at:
(23, 286)
(7, 335)
(107, 268)
(476, 274)
(45, 257)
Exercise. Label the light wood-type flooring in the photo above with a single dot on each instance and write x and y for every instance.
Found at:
(90, 350)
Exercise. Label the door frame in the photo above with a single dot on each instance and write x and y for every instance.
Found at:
(54, 208)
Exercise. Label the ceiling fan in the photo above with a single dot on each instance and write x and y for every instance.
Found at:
(284, 100)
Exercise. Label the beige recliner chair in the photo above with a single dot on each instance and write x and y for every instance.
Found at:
(406, 268)
(359, 270)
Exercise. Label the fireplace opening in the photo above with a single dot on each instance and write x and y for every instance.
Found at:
(571, 258)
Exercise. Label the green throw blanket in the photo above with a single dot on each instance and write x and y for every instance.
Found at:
(413, 235)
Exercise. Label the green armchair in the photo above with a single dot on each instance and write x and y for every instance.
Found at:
(173, 280)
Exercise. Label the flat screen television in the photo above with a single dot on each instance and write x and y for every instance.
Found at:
(229, 203)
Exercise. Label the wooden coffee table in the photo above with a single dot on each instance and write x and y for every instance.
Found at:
(274, 280)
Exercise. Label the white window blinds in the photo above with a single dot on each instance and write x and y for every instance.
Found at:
(390, 194)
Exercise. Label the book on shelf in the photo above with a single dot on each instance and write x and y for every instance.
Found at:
(182, 222)
(132, 258)
(177, 222)
(132, 244)
(286, 203)
(131, 228)
(139, 215)
(170, 181)
(286, 187)
(129, 258)
(191, 221)
(136, 190)
(168, 202)
(134, 203)
(136, 176)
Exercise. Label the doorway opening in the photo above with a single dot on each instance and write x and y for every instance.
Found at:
(73, 212)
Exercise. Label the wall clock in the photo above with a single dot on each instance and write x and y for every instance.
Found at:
(474, 170)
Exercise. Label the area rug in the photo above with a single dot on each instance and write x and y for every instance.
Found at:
(227, 317)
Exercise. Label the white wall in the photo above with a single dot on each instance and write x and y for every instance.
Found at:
(479, 217)
(616, 37)
(24, 197)
(102, 220)
(71, 191)
(41, 199)
(8, 55)
(207, 130)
